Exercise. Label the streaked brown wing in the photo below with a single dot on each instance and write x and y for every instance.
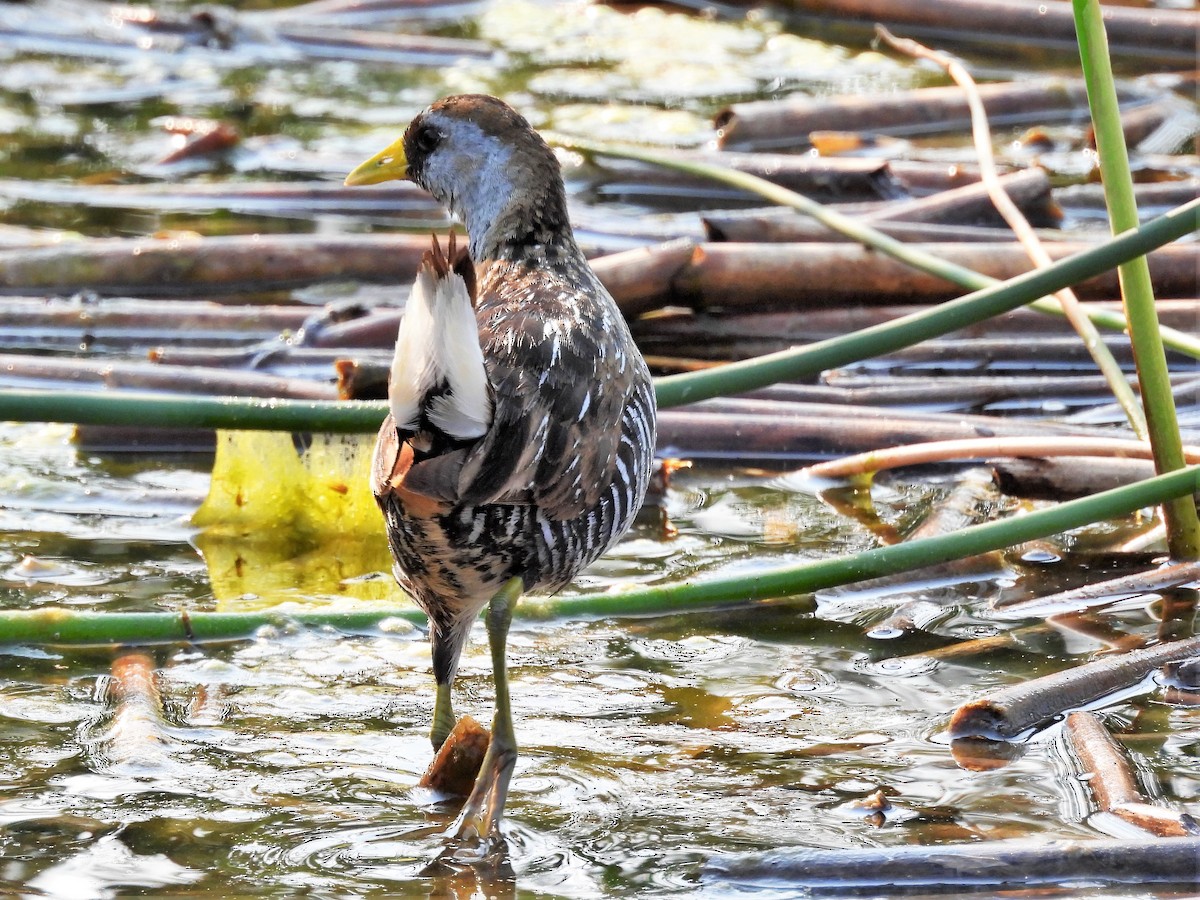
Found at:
(558, 407)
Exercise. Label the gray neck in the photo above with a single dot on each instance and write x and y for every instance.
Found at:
(530, 222)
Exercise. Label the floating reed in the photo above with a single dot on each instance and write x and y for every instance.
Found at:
(1008, 712)
(1141, 32)
(774, 124)
(1110, 777)
(975, 866)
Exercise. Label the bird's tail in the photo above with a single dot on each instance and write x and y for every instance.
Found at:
(438, 381)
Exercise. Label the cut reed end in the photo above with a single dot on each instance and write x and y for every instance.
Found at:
(453, 770)
(982, 718)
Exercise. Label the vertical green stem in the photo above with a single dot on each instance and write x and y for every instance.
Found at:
(1183, 526)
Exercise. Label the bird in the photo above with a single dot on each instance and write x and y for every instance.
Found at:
(520, 437)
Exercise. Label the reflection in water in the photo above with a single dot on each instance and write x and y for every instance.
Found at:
(284, 523)
(982, 754)
(105, 866)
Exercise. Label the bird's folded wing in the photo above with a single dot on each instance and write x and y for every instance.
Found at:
(554, 437)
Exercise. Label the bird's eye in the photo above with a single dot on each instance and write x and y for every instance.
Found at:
(426, 140)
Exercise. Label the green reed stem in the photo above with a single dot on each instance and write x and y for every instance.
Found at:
(68, 626)
(256, 414)
(127, 408)
(801, 578)
(176, 411)
(56, 625)
(1183, 525)
(814, 358)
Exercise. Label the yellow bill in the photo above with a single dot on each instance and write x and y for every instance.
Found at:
(389, 164)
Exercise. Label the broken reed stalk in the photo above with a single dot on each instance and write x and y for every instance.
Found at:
(769, 226)
(855, 229)
(1110, 777)
(767, 277)
(737, 427)
(956, 214)
(42, 371)
(981, 448)
(150, 319)
(675, 390)
(1010, 711)
(792, 122)
(982, 137)
(1064, 477)
(972, 203)
(62, 626)
(1146, 31)
(1183, 524)
(196, 266)
(136, 734)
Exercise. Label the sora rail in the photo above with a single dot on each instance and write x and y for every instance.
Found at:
(521, 435)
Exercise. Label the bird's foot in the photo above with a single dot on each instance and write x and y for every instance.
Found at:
(480, 816)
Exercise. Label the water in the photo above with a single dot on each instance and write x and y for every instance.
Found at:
(287, 764)
(289, 761)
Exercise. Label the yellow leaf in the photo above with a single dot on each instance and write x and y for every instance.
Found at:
(280, 525)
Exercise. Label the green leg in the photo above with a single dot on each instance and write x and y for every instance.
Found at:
(491, 786)
(443, 716)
